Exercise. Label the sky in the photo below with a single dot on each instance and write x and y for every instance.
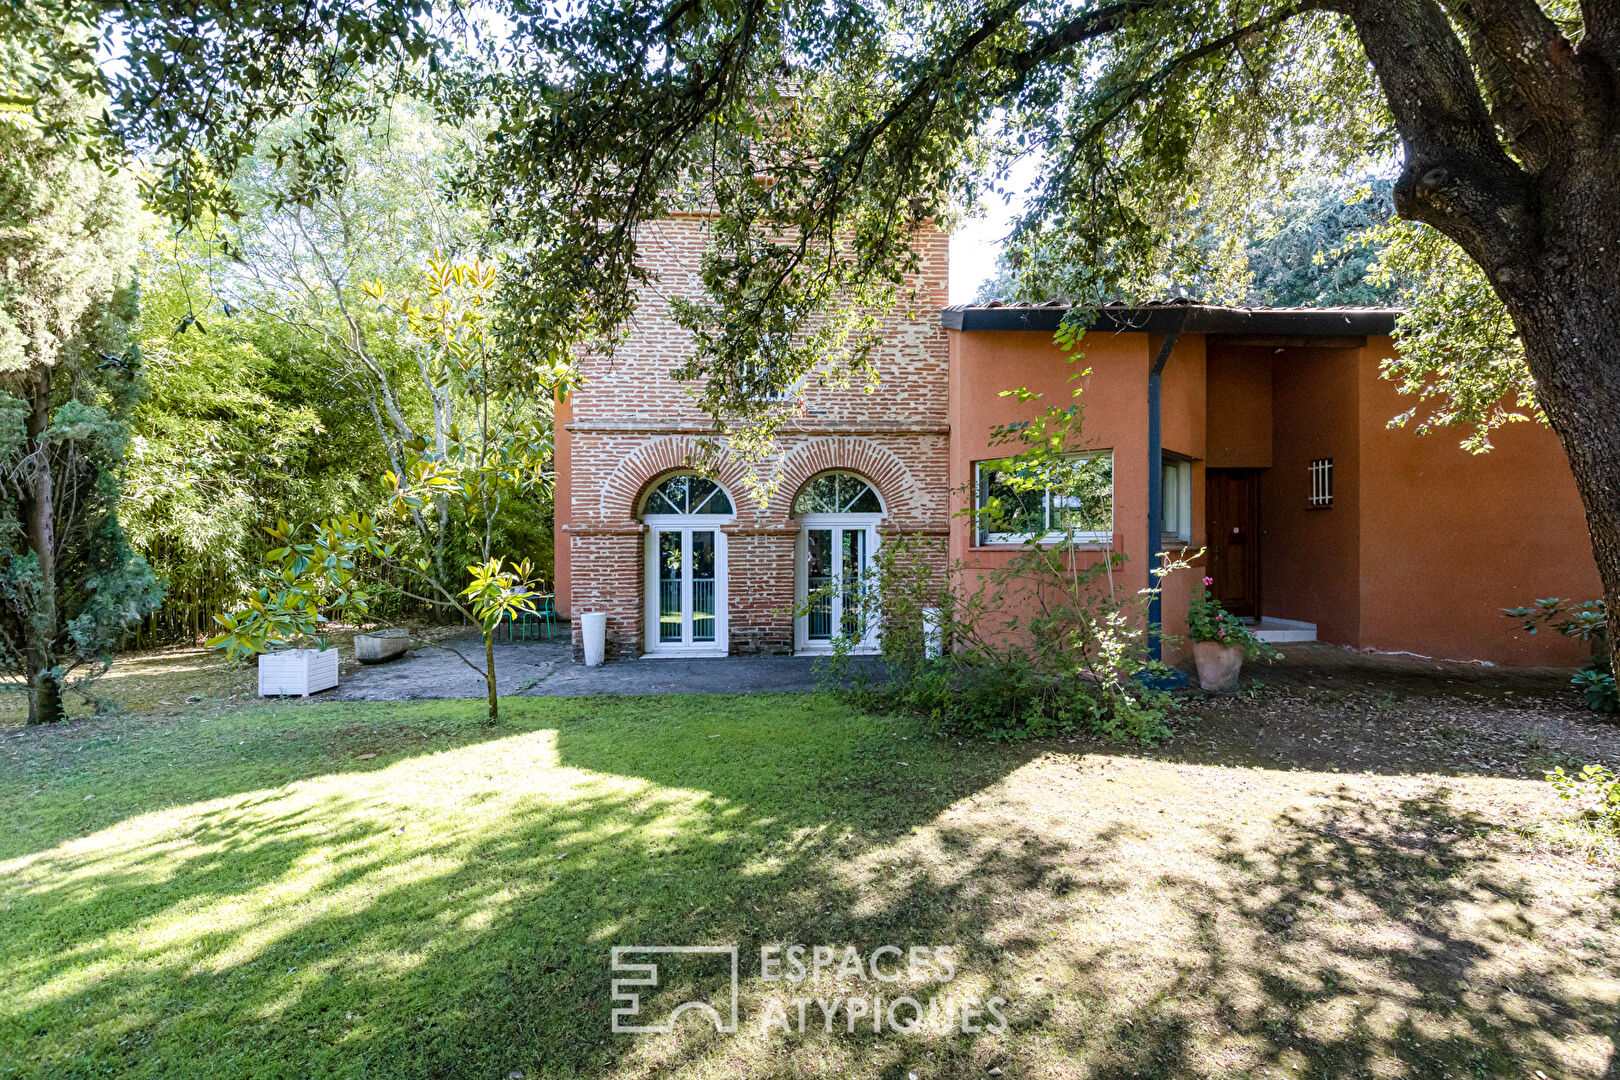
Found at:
(978, 241)
(974, 247)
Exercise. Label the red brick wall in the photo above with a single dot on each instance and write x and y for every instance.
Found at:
(631, 424)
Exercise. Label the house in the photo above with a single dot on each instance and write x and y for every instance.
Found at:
(1258, 436)
(688, 567)
(1276, 457)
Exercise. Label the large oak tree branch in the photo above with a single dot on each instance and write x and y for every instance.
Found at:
(1526, 134)
(1517, 39)
(1600, 20)
(1458, 177)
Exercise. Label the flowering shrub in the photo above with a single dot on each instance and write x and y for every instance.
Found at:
(1208, 621)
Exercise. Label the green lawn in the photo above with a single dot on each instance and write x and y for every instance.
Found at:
(401, 891)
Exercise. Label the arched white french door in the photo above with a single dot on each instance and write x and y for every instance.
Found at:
(834, 583)
(686, 567)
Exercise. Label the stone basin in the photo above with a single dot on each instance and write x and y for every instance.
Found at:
(381, 646)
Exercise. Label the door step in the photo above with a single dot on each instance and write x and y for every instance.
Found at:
(1282, 630)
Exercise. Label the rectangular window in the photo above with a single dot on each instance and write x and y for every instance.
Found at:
(1072, 498)
(756, 380)
(1176, 501)
(1322, 482)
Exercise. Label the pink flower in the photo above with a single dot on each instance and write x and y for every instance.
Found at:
(1222, 635)
(1209, 581)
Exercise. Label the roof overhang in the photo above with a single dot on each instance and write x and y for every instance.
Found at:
(1189, 318)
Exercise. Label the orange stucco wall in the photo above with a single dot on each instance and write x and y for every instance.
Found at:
(1424, 543)
(1239, 408)
(1184, 429)
(1310, 559)
(1114, 396)
(1449, 538)
(985, 365)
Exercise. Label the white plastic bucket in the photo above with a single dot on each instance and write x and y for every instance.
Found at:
(593, 628)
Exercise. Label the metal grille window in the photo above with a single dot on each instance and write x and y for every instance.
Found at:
(1322, 482)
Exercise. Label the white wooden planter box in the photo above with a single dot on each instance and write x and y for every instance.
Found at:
(297, 671)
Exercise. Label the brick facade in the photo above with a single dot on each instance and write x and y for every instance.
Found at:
(631, 425)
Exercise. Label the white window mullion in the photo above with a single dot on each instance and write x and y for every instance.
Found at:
(686, 586)
(843, 549)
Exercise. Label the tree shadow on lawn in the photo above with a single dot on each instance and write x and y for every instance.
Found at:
(1365, 939)
(451, 914)
(1361, 731)
(304, 930)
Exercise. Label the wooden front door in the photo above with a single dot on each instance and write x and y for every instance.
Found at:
(1232, 497)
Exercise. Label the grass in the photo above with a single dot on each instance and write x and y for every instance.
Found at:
(172, 681)
(388, 890)
(177, 679)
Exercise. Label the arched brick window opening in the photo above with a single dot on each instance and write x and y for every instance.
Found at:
(837, 493)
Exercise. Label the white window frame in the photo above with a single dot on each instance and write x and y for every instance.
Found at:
(1052, 537)
(867, 523)
(1181, 503)
(687, 523)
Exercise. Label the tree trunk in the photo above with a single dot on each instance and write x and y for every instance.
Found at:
(39, 529)
(45, 698)
(1571, 332)
(489, 676)
(1510, 144)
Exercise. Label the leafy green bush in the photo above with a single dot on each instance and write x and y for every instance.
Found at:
(1595, 791)
(1597, 690)
(1049, 642)
(1004, 697)
(1588, 622)
(1076, 665)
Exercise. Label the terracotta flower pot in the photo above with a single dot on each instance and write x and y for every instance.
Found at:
(1218, 664)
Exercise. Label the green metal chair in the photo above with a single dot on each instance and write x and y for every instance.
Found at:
(526, 626)
(545, 609)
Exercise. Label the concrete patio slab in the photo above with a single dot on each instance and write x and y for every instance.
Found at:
(431, 672)
(547, 669)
